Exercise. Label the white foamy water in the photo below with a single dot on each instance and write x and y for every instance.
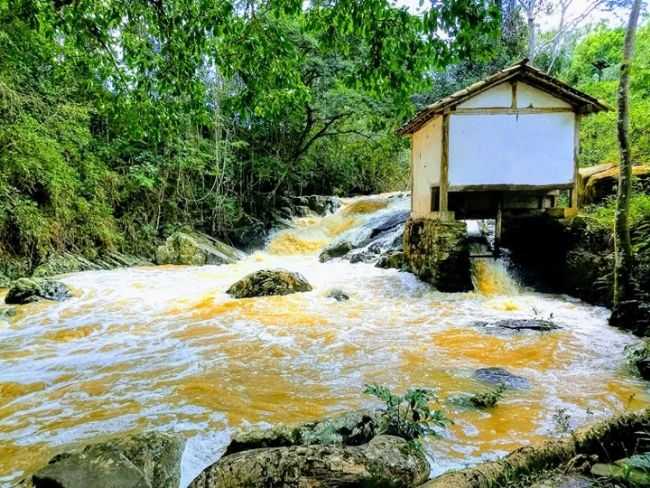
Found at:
(165, 348)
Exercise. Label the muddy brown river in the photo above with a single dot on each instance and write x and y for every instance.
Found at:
(165, 348)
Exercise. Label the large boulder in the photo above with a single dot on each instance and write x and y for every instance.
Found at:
(384, 461)
(268, 282)
(28, 290)
(149, 460)
(438, 252)
(195, 249)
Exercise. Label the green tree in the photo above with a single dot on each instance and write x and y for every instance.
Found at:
(623, 287)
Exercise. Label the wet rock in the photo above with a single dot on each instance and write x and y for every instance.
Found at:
(392, 259)
(566, 481)
(639, 358)
(308, 204)
(71, 263)
(149, 460)
(384, 461)
(192, 248)
(521, 324)
(388, 222)
(501, 376)
(633, 471)
(349, 428)
(269, 282)
(631, 315)
(338, 295)
(28, 290)
(336, 249)
(438, 252)
(380, 235)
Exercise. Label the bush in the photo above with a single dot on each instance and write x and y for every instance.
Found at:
(408, 416)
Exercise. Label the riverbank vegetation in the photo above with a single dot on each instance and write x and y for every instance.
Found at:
(123, 120)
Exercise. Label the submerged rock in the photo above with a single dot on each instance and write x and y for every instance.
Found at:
(192, 248)
(269, 282)
(28, 290)
(338, 295)
(149, 460)
(501, 376)
(521, 324)
(384, 461)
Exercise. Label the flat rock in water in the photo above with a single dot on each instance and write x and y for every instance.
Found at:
(193, 248)
(269, 282)
(384, 461)
(149, 460)
(28, 290)
(501, 376)
(521, 324)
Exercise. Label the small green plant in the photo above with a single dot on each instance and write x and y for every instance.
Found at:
(562, 420)
(408, 416)
(488, 399)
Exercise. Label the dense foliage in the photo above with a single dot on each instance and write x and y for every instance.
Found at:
(120, 120)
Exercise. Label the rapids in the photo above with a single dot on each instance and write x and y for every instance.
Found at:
(165, 348)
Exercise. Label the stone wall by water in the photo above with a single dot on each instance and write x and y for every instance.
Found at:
(438, 253)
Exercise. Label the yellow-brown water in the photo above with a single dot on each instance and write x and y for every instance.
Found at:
(165, 348)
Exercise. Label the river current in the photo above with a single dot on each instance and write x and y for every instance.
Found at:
(164, 347)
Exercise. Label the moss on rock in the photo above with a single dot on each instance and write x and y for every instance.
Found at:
(269, 282)
(195, 249)
(438, 253)
(148, 460)
(28, 290)
(608, 440)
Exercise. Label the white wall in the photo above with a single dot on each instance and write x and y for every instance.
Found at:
(499, 96)
(530, 149)
(530, 97)
(426, 147)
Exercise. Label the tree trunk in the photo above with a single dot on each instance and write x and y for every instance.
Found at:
(622, 243)
(532, 37)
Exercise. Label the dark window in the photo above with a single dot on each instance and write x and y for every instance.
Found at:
(435, 199)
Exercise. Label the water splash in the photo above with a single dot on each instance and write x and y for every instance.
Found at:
(165, 348)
